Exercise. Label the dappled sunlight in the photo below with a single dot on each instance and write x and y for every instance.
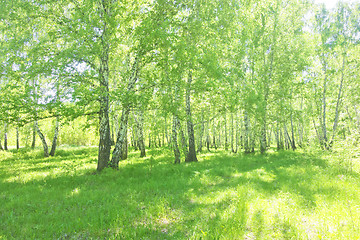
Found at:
(5, 155)
(213, 196)
(206, 179)
(28, 177)
(135, 160)
(158, 216)
(260, 175)
(74, 192)
(226, 196)
(25, 171)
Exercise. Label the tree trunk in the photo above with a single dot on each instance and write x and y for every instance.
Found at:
(112, 132)
(300, 126)
(121, 140)
(17, 138)
(5, 137)
(318, 135)
(104, 131)
(241, 132)
(247, 133)
(124, 152)
(43, 140)
(301, 135)
(104, 125)
(225, 133)
(166, 133)
(269, 137)
(116, 126)
(219, 138)
(155, 142)
(232, 132)
(293, 146)
(214, 135)
(337, 111)
(163, 138)
(134, 136)
(184, 146)
(287, 138)
(324, 131)
(121, 145)
(140, 132)
(174, 140)
(1, 147)
(208, 141)
(252, 140)
(263, 136)
(191, 156)
(236, 133)
(268, 78)
(33, 143)
(200, 140)
(149, 139)
(277, 136)
(56, 134)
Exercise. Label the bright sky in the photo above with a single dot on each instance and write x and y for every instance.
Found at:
(332, 3)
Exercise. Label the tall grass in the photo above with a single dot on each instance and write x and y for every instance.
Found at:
(280, 195)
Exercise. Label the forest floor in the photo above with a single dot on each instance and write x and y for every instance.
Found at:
(280, 195)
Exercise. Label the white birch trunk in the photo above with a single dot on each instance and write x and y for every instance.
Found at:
(225, 133)
(104, 125)
(121, 139)
(43, 140)
(191, 156)
(200, 140)
(246, 133)
(140, 132)
(174, 140)
(337, 110)
(5, 137)
(17, 138)
(56, 134)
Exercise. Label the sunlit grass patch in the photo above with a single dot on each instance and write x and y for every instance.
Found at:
(5, 155)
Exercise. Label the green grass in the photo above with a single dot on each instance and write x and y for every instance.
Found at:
(281, 195)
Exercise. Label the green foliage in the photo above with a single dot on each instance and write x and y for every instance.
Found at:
(268, 59)
(79, 132)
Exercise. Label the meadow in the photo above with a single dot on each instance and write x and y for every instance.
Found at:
(279, 195)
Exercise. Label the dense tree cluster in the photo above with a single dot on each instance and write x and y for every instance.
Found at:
(242, 75)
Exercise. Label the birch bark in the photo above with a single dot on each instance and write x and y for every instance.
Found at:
(191, 156)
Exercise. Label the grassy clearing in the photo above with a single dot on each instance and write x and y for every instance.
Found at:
(281, 195)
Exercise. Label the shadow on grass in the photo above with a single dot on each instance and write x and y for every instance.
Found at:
(152, 198)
